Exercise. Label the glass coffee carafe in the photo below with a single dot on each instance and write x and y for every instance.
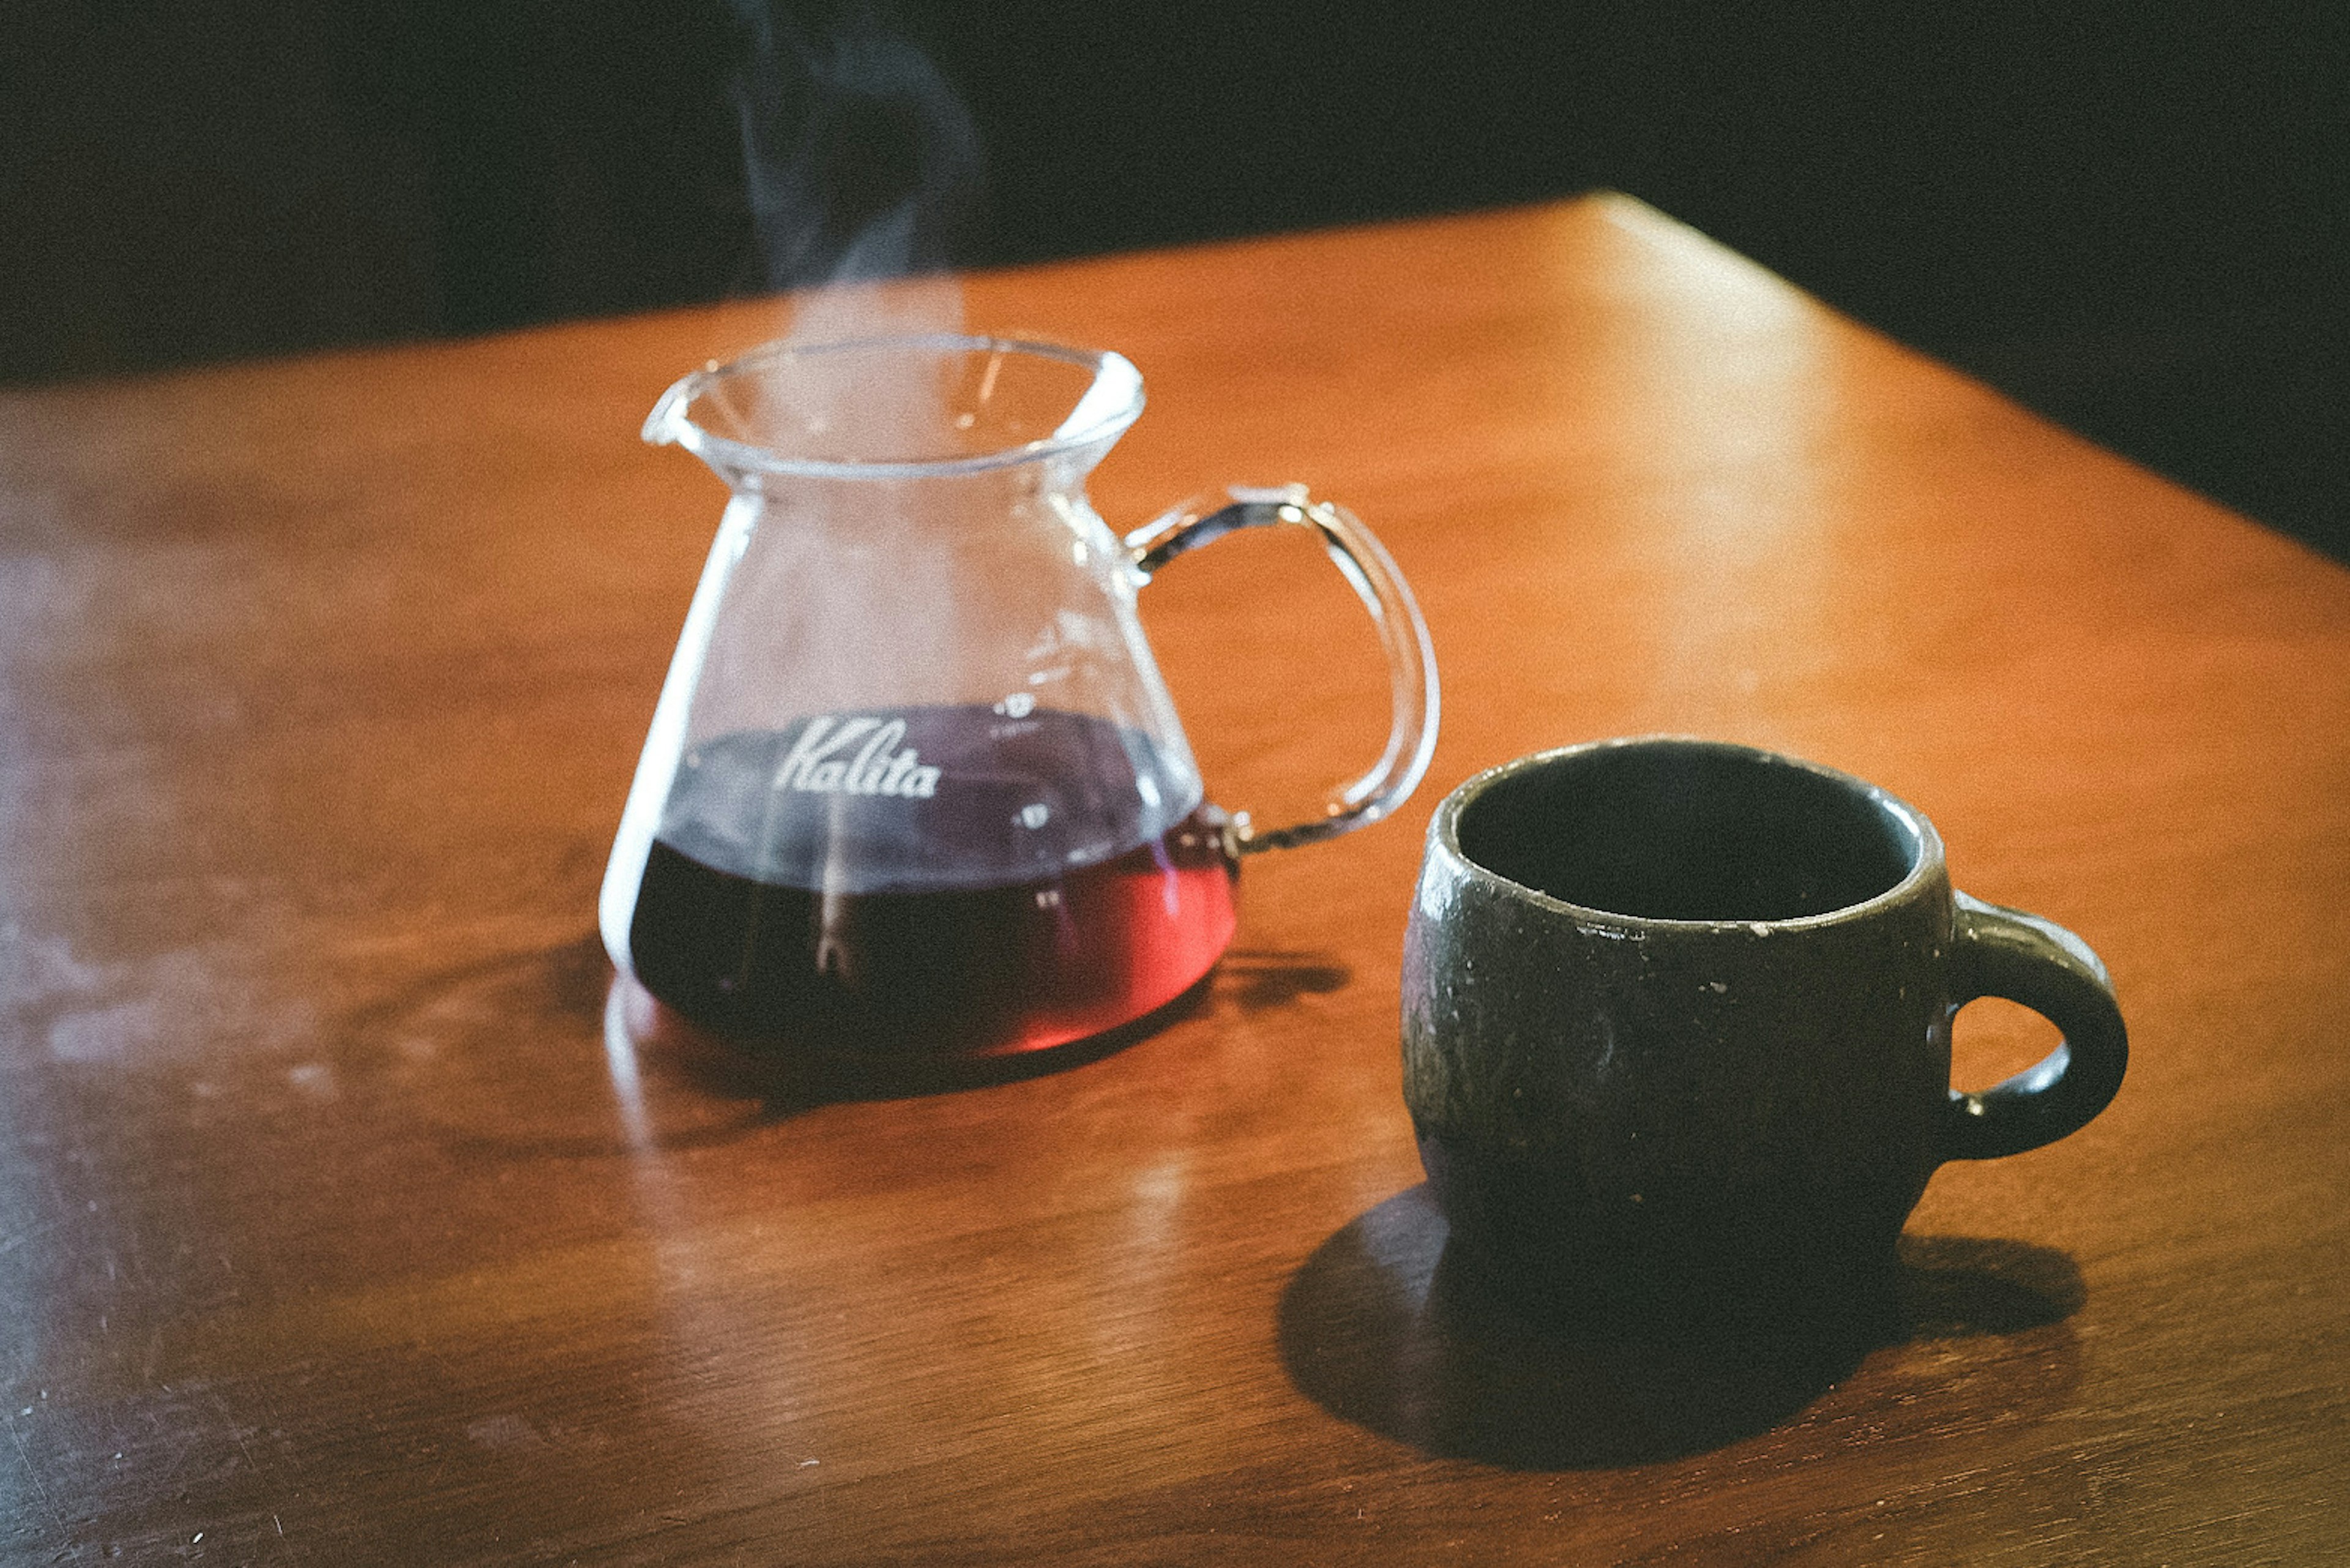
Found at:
(914, 788)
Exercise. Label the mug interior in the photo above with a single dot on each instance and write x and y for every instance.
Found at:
(1690, 830)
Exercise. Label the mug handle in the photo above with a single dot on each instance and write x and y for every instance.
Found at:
(2025, 958)
(1411, 659)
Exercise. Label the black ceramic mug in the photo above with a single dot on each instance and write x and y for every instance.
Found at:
(1677, 1023)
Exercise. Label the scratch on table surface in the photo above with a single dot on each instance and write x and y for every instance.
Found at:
(31, 1474)
(30, 1232)
(243, 1448)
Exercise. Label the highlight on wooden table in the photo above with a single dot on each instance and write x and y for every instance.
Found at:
(354, 1207)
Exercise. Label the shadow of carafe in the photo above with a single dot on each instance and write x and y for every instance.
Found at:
(789, 1082)
(533, 1054)
(1249, 980)
(551, 1051)
(1391, 1325)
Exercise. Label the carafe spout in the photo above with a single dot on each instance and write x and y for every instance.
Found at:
(668, 423)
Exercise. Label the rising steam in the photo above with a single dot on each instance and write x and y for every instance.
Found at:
(861, 162)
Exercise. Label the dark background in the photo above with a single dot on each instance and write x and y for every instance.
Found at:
(2132, 217)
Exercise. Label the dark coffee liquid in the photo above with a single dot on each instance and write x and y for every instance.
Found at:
(1014, 885)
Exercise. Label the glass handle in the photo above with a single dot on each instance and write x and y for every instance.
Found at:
(1412, 661)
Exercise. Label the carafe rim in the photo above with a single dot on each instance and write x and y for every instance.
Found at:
(1112, 402)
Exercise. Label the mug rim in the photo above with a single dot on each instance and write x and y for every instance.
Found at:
(1444, 831)
(1115, 392)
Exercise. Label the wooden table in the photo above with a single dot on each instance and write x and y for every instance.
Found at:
(340, 1224)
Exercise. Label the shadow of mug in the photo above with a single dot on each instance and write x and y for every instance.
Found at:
(1390, 1326)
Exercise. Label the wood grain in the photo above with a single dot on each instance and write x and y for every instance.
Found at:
(343, 1221)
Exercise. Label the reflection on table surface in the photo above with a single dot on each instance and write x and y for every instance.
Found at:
(351, 1212)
